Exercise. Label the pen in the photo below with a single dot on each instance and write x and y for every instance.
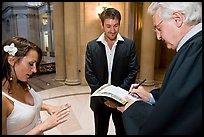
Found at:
(138, 85)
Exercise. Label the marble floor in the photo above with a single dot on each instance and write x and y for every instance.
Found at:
(80, 121)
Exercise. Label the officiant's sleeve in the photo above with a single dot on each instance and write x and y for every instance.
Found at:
(134, 116)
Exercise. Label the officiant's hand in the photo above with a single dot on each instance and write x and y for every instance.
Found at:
(140, 92)
(129, 103)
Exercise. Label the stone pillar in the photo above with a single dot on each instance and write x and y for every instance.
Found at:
(58, 23)
(148, 46)
(82, 44)
(71, 21)
(49, 25)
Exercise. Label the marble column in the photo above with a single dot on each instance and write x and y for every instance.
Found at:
(49, 28)
(148, 46)
(82, 44)
(58, 23)
(71, 21)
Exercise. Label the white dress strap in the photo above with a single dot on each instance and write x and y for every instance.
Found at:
(9, 97)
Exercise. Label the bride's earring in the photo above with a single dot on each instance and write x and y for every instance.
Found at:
(11, 77)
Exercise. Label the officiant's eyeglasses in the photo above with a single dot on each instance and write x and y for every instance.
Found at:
(156, 28)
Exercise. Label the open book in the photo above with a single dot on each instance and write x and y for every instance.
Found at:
(115, 96)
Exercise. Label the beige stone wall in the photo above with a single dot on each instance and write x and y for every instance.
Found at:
(90, 27)
(81, 24)
(77, 23)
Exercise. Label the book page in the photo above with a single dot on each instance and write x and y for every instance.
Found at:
(114, 92)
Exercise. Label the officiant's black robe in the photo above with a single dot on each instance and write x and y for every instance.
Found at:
(178, 108)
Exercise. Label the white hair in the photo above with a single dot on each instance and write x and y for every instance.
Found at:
(191, 10)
